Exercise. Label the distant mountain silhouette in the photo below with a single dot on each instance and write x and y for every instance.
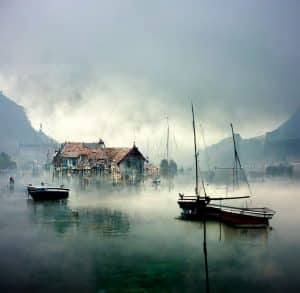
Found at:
(283, 144)
(15, 127)
(290, 129)
(279, 145)
(221, 154)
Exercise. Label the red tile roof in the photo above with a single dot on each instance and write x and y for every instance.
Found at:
(117, 154)
(74, 149)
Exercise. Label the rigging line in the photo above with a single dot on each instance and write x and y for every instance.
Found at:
(175, 142)
(195, 151)
(237, 159)
(205, 146)
(196, 157)
(202, 181)
(244, 173)
(160, 148)
(234, 170)
(168, 135)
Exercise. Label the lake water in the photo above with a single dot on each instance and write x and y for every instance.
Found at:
(129, 240)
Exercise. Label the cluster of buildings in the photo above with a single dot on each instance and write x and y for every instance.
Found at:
(80, 158)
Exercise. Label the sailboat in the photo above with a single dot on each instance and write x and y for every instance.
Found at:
(200, 206)
(157, 181)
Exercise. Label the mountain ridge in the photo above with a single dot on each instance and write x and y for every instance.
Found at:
(15, 127)
(289, 129)
(278, 145)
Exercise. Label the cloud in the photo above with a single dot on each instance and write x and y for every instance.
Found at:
(118, 68)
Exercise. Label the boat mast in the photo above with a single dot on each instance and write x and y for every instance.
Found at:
(236, 159)
(238, 162)
(167, 146)
(196, 160)
(196, 154)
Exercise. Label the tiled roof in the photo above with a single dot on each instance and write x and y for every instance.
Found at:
(72, 146)
(98, 154)
(116, 155)
(75, 149)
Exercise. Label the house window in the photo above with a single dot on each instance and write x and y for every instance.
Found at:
(128, 164)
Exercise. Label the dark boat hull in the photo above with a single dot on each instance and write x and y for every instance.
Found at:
(40, 194)
(240, 220)
(235, 217)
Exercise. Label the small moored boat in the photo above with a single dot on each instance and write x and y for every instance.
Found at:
(47, 193)
(195, 208)
(156, 181)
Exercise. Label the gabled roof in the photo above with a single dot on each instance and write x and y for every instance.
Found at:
(72, 146)
(75, 149)
(117, 155)
(98, 154)
(134, 151)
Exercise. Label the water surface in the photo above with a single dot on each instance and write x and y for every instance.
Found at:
(130, 240)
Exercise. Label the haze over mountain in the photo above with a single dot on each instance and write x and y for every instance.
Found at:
(283, 143)
(280, 145)
(15, 127)
(290, 129)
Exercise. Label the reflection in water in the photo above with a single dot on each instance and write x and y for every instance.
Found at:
(205, 256)
(231, 234)
(61, 217)
(127, 240)
(259, 235)
(52, 214)
(251, 235)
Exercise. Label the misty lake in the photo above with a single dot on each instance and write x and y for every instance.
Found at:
(131, 240)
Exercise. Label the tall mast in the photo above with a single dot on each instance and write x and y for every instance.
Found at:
(168, 139)
(196, 154)
(236, 158)
(237, 161)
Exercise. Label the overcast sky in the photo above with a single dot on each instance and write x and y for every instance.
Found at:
(117, 69)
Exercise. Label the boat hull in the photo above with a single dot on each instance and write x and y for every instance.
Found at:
(40, 194)
(232, 216)
(241, 220)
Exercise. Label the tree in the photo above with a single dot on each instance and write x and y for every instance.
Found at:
(6, 162)
(168, 168)
(163, 168)
(172, 168)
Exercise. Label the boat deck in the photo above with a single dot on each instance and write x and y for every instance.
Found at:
(197, 208)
